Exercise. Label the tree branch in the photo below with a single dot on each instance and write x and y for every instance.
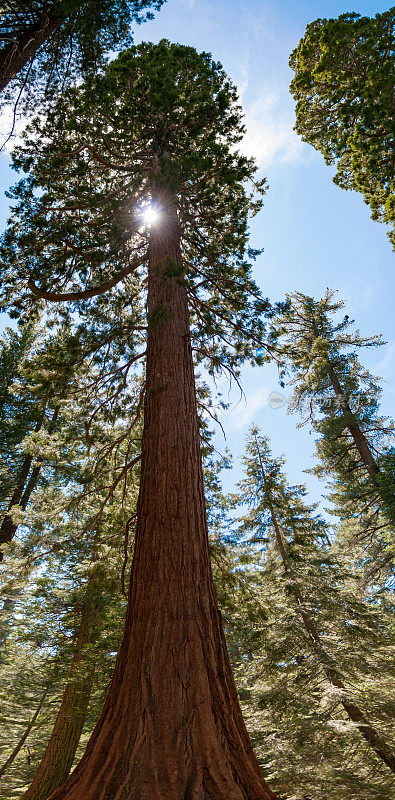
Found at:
(54, 297)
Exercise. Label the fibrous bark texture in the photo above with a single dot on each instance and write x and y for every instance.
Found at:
(171, 727)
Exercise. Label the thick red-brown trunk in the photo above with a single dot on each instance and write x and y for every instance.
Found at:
(171, 727)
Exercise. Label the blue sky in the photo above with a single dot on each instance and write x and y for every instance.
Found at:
(314, 234)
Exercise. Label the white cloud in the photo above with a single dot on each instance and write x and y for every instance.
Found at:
(11, 128)
(243, 413)
(270, 137)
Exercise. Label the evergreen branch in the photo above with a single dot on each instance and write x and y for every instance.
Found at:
(55, 297)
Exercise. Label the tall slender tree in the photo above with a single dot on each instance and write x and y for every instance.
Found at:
(22, 413)
(316, 618)
(340, 399)
(68, 614)
(160, 128)
(59, 754)
(48, 371)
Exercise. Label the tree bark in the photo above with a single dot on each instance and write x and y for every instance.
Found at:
(60, 752)
(24, 488)
(22, 50)
(23, 738)
(171, 727)
(369, 733)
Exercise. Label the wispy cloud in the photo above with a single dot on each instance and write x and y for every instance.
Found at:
(386, 362)
(270, 137)
(243, 414)
(11, 128)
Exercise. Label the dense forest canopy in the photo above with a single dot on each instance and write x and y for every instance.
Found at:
(160, 637)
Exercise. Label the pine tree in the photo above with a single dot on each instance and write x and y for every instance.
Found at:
(317, 642)
(51, 375)
(160, 127)
(86, 469)
(30, 408)
(339, 398)
(343, 87)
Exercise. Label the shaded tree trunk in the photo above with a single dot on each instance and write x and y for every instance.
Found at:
(24, 488)
(59, 754)
(369, 733)
(23, 738)
(171, 727)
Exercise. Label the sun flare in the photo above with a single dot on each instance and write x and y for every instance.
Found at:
(150, 215)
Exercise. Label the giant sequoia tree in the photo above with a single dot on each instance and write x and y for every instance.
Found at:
(160, 128)
(344, 92)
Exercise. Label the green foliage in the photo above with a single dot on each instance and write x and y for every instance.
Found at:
(339, 398)
(81, 34)
(76, 537)
(162, 125)
(93, 165)
(303, 736)
(18, 413)
(343, 87)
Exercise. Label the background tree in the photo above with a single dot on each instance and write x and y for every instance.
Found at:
(56, 379)
(343, 87)
(313, 659)
(32, 396)
(160, 127)
(69, 563)
(47, 43)
(340, 399)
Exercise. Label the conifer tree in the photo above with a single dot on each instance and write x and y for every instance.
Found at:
(339, 398)
(30, 408)
(73, 589)
(160, 128)
(56, 379)
(87, 466)
(329, 633)
(46, 43)
(59, 754)
(343, 87)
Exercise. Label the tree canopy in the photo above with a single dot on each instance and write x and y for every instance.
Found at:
(48, 43)
(343, 87)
